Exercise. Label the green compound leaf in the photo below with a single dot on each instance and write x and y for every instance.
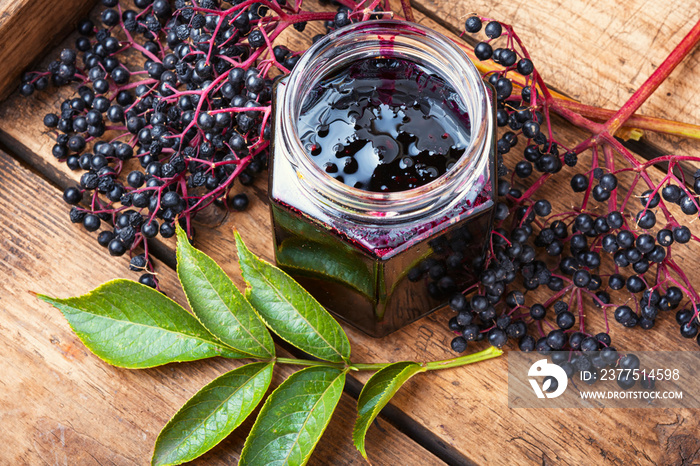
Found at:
(218, 304)
(131, 325)
(290, 311)
(377, 392)
(212, 414)
(294, 417)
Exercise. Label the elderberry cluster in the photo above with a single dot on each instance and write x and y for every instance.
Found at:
(517, 112)
(531, 247)
(173, 106)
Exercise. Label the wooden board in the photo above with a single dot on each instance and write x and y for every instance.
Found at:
(463, 413)
(59, 403)
(600, 51)
(32, 27)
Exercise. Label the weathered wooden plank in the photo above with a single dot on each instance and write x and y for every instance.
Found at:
(466, 408)
(61, 404)
(32, 27)
(600, 52)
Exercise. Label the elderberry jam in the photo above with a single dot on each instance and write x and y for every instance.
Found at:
(382, 174)
(384, 125)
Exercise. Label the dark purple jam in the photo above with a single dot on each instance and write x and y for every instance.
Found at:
(384, 125)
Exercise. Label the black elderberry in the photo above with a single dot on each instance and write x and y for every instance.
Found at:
(470, 332)
(646, 219)
(579, 183)
(167, 230)
(629, 361)
(503, 321)
(523, 169)
(473, 24)
(570, 159)
(516, 329)
(681, 234)
(72, 195)
(615, 220)
(684, 316)
(674, 294)
(556, 339)
(595, 283)
(493, 29)
(625, 239)
(608, 182)
(664, 237)
(688, 205)
(531, 129)
(635, 284)
(542, 346)
(599, 194)
(671, 193)
(148, 280)
(633, 255)
(575, 340)
(138, 263)
(504, 88)
(649, 312)
(525, 66)
(538, 311)
(650, 202)
(116, 247)
(581, 278)
(498, 337)
(565, 320)
(616, 281)
(507, 57)
(689, 329)
(527, 343)
(458, 345)
(91, 222)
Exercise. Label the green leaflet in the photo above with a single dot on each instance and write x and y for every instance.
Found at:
(325, 261)
(293, 418)
(376, 393)
(290, 311)
(131, 325)
(218, 304)
(212, 414)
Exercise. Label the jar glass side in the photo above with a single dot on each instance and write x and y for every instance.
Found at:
(377, 263)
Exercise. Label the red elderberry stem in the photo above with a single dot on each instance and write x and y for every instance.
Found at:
(574, 117)
(642, 122)
(655, 80)
(407, 10)
(610, 164)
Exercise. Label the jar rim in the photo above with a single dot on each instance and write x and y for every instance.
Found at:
(408, 40)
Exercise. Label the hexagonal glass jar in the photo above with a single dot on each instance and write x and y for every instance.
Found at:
(374, 258)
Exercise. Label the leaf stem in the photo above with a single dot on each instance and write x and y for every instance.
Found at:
(309, 363)
(488, 353)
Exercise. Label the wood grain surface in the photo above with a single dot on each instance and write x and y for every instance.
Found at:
(60, 404)
(460, 414)
(28, 28)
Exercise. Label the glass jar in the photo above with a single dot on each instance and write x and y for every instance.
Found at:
(381, 260)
